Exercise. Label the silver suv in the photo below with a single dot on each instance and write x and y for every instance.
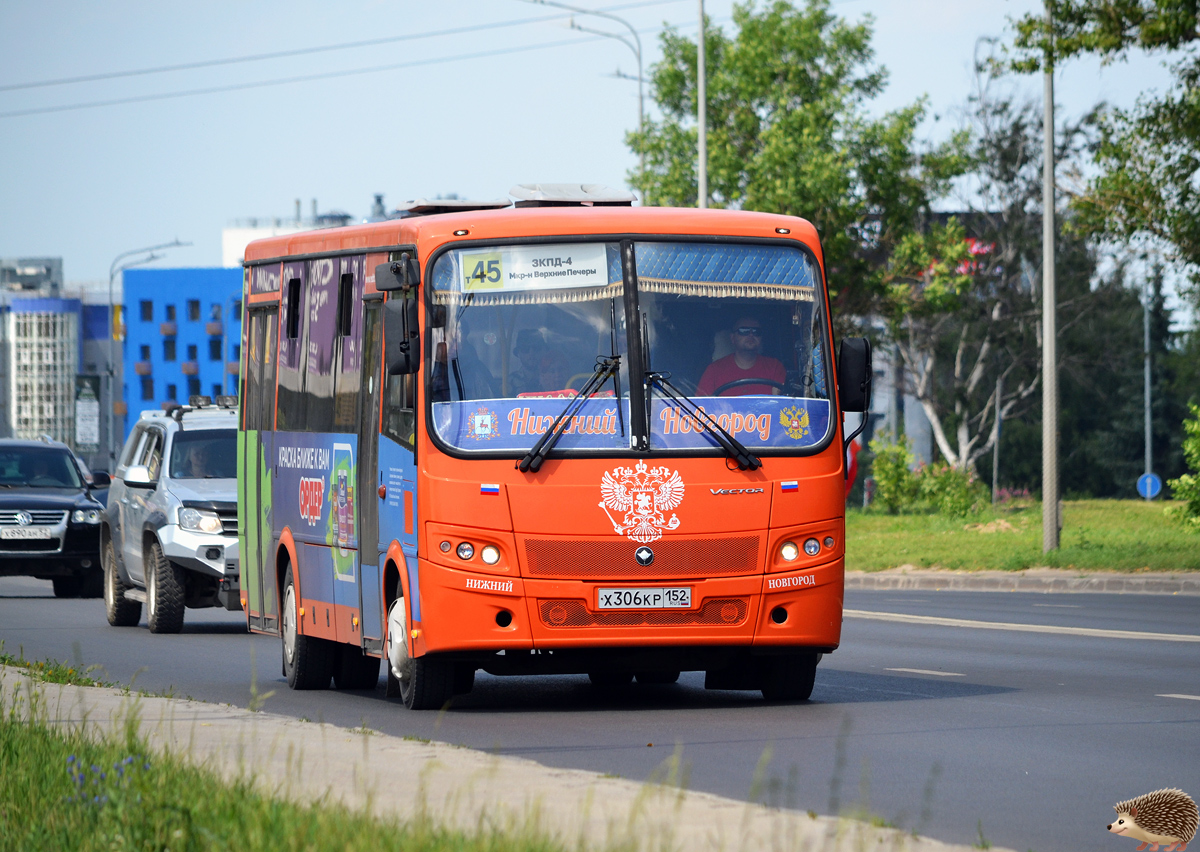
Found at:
(168, 537)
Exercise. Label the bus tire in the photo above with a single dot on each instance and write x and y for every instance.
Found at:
(354, 669)
(790, 678)
(164, 591)
(429, 685)
(658, 678)
(120, 612)
(307, 660)
(464, 678)
(610, 680)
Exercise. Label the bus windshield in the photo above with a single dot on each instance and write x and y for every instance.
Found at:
(516, 331)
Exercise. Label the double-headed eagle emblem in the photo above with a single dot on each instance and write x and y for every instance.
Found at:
(795, 421)
(645, 496)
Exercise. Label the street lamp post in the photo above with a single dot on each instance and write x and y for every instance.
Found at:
(635, 46)
(701, 118)
(121, 262)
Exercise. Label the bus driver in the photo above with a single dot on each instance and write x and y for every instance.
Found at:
(745, 362)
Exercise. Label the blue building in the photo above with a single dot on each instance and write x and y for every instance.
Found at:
(182, 336)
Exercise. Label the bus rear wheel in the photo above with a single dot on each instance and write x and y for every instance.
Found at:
(307, 661)
(790, 678)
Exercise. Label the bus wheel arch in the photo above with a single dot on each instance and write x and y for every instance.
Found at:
(396, 648)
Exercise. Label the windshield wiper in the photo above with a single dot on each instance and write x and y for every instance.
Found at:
(734, 448)
(605, 367)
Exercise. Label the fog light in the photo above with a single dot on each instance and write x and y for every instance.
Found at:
(504, 618)
(490, 555)
(779, 615)
(212, 554)
(812, 547)
(789, 551)
(465, 550)
(86, 563)
(445, 546)
(829, 541)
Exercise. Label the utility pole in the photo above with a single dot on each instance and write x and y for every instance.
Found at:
(1146, 376)
(996, 446)
(1050, 514)
(701, 118)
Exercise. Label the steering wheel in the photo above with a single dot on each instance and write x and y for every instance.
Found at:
(741, 382)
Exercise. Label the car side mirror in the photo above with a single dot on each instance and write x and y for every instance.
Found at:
(101, 479)
(402, 338)
(854, 374)
(399, 274)
(138, 476)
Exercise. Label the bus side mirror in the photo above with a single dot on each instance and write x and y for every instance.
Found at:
(854, 374)
(399, 274)
(402, 336)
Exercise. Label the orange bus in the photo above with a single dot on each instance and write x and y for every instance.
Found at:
(561, 435)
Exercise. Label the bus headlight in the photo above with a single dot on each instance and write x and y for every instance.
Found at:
(465, 551)
(85, 516)
(812, 547)
(199, 520)
(490, 554)
(788, 551)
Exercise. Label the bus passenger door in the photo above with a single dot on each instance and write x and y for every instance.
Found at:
(370, 585)
(254, 482)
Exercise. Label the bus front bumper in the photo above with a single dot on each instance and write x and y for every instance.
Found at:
(466, 612)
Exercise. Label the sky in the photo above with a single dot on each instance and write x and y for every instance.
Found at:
(477, 96)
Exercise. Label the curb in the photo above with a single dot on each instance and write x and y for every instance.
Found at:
(1046, 581)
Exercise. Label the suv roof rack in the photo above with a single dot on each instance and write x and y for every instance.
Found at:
(569, 195)
(432, 207)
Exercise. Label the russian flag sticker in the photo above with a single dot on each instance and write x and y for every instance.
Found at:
(790, 485)
(489, 488)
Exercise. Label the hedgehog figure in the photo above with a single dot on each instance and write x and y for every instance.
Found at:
(1164, 816)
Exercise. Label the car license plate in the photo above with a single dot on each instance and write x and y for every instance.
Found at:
(676, 597)
(25, 532)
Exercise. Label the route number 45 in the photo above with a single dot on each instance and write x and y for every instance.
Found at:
(483, 272)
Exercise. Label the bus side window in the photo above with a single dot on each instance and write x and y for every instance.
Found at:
(399, 410)
(348, 343)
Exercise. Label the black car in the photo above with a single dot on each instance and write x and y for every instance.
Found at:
(50, 518)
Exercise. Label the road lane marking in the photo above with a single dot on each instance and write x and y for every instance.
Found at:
(927, 672)
(1022, 628)
(1175, 695)
(1061, 606)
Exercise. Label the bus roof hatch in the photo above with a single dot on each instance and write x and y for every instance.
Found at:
(570, 195)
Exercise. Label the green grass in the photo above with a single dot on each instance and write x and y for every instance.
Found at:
(52, 671)
(1098, 535)
(67, 792)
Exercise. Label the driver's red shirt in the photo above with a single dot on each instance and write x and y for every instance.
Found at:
(725, 370)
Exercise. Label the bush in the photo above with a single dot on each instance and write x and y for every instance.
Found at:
(1187, 487)
(950, 491)
(895, 483)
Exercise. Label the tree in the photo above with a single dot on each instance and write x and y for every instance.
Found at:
(964, 314)
(788, 132)
(1149, 155)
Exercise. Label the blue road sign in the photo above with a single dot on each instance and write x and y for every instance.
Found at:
(1149, 485)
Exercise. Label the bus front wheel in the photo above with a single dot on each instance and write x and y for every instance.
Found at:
(307, 661)
(790, 678)
(422, 683)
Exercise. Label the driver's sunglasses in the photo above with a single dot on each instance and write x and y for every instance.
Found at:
(748, 330)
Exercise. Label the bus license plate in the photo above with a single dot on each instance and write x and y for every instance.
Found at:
(24, 532)
(678, 597)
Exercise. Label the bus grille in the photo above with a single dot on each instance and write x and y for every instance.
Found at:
(673, 557)
(727, 612)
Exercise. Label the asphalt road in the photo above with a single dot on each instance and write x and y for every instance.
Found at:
(1023, 739)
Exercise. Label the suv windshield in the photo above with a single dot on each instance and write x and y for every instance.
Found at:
(516, 331)
(204, 454)
(38, 468)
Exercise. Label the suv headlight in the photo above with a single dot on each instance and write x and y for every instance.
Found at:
(85, 516)
(199, 520)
